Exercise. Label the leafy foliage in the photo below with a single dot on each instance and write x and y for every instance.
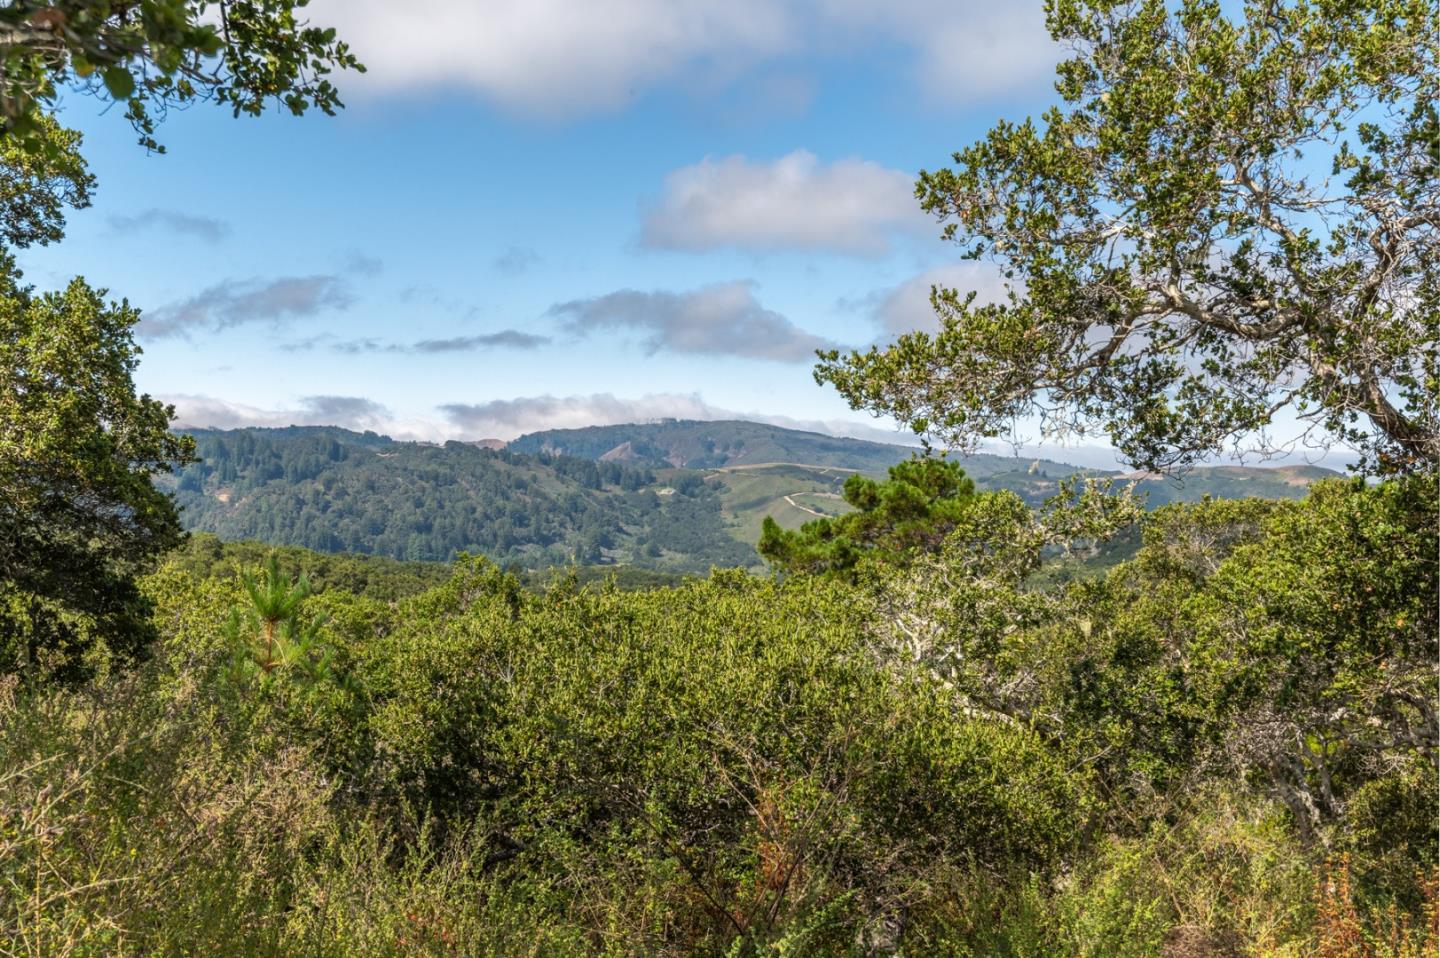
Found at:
(270, 638)
(1319, 643)
(1182, 266)
(37, 184)
(204, 556)
(948, 760)
(159, 54)
(79, 517)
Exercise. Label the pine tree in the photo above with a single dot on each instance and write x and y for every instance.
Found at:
(911, 512)
(271, 637)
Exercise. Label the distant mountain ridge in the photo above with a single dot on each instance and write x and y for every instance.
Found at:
(674, 496)
(735, 443)
(727, 443)
(696, 444)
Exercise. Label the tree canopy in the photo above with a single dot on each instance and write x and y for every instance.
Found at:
(155, 54)
(37, 185)
(1226, 218)
(79, 517)
(333, 490)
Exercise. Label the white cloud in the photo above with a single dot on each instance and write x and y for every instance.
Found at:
(349, 412)
(508, 418)
(796, 202)
(501, 418)
(572, 57)
(723, 319)
(965, 50)
(907, 308)
(556, 57)
(202, 227)
(238, 301)
(353, 412)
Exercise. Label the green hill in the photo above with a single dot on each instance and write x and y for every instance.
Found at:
(710, 445)
(332, 490)
(734, 443)
(567, 497)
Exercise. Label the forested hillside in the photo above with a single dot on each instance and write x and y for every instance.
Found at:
(725, 443)
(333, 490)
(706, 445)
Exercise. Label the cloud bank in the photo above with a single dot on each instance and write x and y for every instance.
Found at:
(508, 418)
(495, 419)
(720, 320)
(849, 206)
(565, 58)
(348, 412)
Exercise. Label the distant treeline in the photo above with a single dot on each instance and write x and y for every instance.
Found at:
(205, 556)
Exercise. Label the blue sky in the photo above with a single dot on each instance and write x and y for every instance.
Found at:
(547, 213)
